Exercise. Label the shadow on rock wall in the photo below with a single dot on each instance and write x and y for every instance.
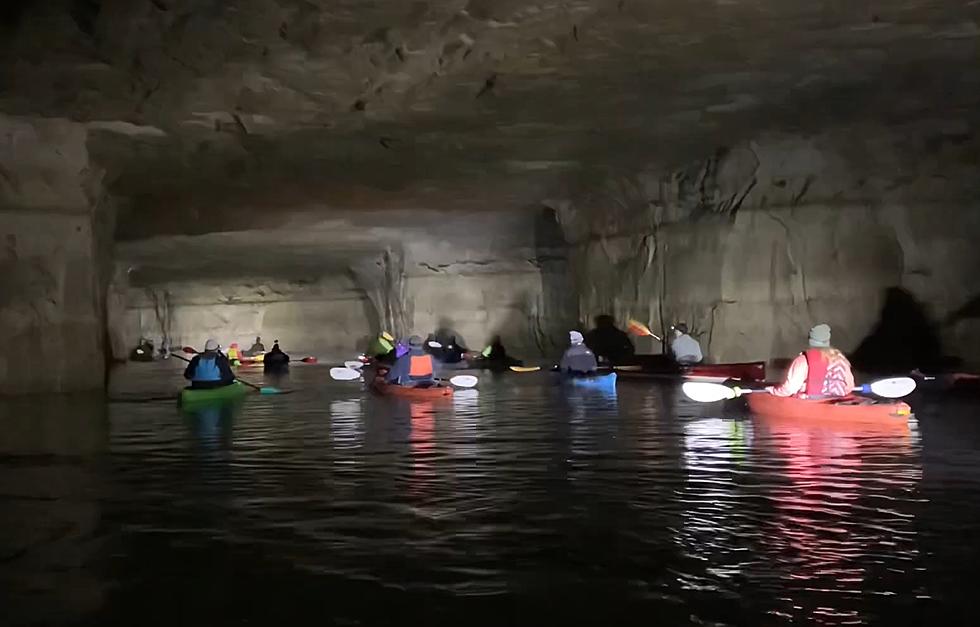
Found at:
(903, 339)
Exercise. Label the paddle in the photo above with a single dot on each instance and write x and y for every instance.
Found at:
(353, 364)
(525, 368)
(704, 392)
(638, 328)
(261, 390)
(349, 374)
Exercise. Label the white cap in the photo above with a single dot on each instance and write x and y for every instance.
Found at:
(575, 337)
(211, 345)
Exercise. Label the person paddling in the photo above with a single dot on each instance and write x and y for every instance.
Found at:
(686, 349)
(209, 369)
(578, 359)
(257, 348)
(275, 360)
(414, 368)
(819, 372)
(609, 342)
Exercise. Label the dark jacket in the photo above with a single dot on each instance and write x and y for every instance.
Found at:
(611, 343)
(201, 371)
(416, 366)
(275, 359)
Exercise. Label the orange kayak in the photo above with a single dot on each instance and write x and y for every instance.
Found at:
(384, 388)
(849, 410)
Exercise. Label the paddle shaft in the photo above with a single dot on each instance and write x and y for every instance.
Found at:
(251, 385)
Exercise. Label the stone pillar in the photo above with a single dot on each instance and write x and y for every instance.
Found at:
(51, 296)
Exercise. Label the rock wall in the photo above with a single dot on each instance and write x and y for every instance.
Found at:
(757, 243)
(52, 254)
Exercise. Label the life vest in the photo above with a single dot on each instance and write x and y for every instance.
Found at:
(233, 353)
(420, 366)
(207, 370)
(826, 376)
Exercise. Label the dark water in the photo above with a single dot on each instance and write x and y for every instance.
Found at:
(515, 505)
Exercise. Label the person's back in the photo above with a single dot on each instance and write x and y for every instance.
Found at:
(819, 372)
(256, 349)
(416, 367)
(275, 359)
(578, 358)
(686, 349)
(209, 369)
(607, 341)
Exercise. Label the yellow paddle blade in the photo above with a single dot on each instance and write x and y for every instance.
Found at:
(525, 368)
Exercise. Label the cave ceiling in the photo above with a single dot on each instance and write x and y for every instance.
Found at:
(211, 115)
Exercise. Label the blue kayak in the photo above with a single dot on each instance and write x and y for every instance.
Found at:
(605, 381)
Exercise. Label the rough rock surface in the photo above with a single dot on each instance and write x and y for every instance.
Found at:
(749, 166)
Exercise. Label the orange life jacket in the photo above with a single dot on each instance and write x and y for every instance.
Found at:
(826, 376)
(420, 366)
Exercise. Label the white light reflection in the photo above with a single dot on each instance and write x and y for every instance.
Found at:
(714, 452)
(346, 426)
(467, 422)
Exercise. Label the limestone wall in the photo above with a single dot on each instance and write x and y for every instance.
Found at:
(51, 324)
(756, 244)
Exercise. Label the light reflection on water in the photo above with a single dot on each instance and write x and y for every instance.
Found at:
(582, 505)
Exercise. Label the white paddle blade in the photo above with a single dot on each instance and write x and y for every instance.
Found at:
(464, 381)
(344, 374)
(703, 392)
(353, 365)
(434, 344)
(893, 388)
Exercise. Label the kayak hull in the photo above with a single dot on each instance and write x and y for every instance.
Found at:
(849, 410)
(189, 396)
(383, 388)
(605, 381)
(666, 369)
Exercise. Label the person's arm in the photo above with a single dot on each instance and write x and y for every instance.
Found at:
(563, 364)
(848, 375)
(795, 378)
(397, 370)
(191, 368)
(224, 367)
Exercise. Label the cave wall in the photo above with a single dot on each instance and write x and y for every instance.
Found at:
(322, 316)
(53, 248)
(758, 242)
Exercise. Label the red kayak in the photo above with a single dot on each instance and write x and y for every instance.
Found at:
(748, 371)
(661, 369)
(380, 386)
(849, 410)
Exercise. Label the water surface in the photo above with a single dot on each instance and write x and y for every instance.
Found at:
(521, 503)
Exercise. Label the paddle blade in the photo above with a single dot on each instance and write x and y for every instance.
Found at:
(344, 374)
(353, 364)
(525, 368)
(270, 391)
(893, 388)
(638, 328)
(464, 381)
(190, 350)
(434, 344)
(308, 360)
(703, 392)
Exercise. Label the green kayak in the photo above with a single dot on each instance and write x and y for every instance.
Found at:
(189, 396)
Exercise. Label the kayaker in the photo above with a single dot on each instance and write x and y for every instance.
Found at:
(381, 346)
(610, 342)
(143, 352)
(257, 348)
(686, 349)
(578, 359)
(819, 372)
(234, 355)
(209, 369)
(414, 368)
(275, 360)
(495, 355)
